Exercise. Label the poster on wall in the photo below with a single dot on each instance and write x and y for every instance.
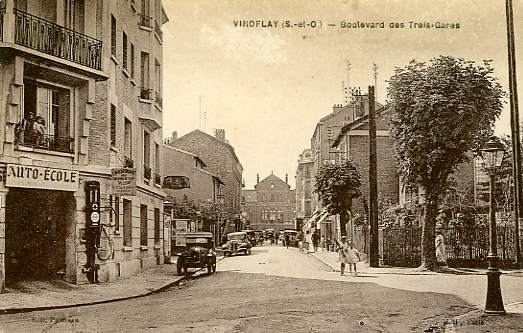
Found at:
(123, 182)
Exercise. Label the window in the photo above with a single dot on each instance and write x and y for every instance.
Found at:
(264, 197)
(143, 225)
(280, 215)
(156, 226)
(124, 50)
(272, 197)
(113, 125)
(114, 217)
(157, 76)
(127, 141)
(74, 15)
(132, 60)
(47, 117)
(113, 35)
(127, 223)
(144, 78)
(147, 155)
(272, 215)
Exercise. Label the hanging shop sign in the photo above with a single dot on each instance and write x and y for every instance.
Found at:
(123, 182)
(28, 176)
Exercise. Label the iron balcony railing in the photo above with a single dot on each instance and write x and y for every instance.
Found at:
(146, 93)
(158, 30)
(129, 163)
(147, 172)
(146, 21)
(50, 38)
(49, 142)
(158, 99)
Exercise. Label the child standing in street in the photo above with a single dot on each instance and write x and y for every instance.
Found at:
(348, 255)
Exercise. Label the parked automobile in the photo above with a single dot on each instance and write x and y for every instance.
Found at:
(251, 234)
(197, 253)
(292, 236)
(237, 242)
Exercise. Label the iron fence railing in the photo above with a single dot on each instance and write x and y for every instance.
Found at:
(50, 142)
(465, 247)
(50, 38)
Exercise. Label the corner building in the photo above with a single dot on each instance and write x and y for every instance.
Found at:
(80, 96)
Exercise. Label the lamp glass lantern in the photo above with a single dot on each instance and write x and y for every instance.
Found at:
(492, 152)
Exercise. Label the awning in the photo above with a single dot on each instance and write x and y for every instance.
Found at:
(323, 217)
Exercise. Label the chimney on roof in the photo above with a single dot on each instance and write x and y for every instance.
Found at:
(174, 136)
(219, 134)
(257, 178)
(337, 108)
(287, 178)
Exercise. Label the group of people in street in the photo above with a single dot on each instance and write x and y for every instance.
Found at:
(348, 254)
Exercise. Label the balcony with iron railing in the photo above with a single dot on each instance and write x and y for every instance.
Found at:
(146, 21)
(47, 142)
(36, 33)
(128, 162)
(158, 30)
(147, 172)
(146, 93)
(158, 99)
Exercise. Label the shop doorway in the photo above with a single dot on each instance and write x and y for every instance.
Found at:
(38, 223)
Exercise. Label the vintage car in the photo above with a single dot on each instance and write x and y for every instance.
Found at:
(292, 236)
(251, 234)
(237, 242)
(197, 253)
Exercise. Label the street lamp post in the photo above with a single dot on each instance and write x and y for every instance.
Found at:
(492, 153)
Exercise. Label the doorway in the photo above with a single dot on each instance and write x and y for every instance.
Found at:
(38, 223)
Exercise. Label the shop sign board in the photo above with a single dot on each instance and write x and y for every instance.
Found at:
(123, 182)
(29, 176)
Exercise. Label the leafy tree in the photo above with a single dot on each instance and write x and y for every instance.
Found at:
(337, 185)
(441, 111)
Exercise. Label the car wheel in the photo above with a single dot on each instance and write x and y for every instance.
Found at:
(214, 268)
(228, 254)
(209, 269)
(248, 251)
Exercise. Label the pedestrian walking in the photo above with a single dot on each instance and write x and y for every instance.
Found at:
(287, 240)
(441, 254)
(348, 255)
(315, 240)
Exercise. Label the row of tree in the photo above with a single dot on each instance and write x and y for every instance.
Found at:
(441, 112)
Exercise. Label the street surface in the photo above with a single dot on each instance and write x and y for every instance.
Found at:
(279, 290)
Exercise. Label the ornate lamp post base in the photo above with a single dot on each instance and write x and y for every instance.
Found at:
(494, 304)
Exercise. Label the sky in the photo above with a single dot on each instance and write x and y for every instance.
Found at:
(268, 83)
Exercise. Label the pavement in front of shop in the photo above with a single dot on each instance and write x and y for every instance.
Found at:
(45, 295)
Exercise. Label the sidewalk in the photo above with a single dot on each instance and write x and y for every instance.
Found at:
(58, 294)
(474, 321)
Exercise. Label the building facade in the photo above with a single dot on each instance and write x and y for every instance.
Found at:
(80, 97)
(221, 160)
(304, 187)
(270, 205)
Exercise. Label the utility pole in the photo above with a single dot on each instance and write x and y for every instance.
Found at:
(375, 72)
(373, 183)
(514, 125)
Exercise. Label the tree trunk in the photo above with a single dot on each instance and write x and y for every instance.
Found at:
(428, 234)
(344, 218)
